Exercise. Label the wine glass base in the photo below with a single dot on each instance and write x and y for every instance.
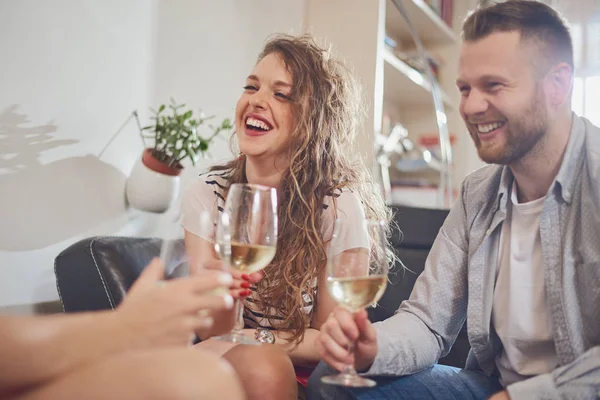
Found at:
(348, 380)
(237, 338)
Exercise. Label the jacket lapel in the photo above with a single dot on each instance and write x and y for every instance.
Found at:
(481, 283)
(482, 277)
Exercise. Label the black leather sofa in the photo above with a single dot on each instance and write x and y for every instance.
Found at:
(95, 273)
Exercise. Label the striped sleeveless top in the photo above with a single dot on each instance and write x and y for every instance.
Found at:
(206, 194)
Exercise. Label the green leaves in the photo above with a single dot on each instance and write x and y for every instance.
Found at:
(175, 134)
(203, 145)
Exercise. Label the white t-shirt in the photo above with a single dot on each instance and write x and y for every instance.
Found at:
(520, 313)
(205, 194)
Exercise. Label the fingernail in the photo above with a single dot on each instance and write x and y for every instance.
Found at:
(228, 301)
(225, 279)
(246, 277)
(247, 292)
(245, 285)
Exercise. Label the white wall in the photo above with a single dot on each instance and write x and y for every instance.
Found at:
(203, 57)
(71, 73)
(465, 157)
(357, 44)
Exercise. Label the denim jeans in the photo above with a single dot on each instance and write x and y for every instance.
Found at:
(437, 382)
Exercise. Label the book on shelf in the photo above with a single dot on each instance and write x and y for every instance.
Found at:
(446, 12)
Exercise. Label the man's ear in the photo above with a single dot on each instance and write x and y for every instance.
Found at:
(558, 84)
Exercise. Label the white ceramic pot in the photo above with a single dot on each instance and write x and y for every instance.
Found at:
(150, 190)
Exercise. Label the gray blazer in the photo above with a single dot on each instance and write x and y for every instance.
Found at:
(459, 278)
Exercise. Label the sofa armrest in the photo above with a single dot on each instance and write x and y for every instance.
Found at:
(96, 273)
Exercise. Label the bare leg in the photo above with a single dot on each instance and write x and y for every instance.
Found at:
(162, 374)
(266, 372)
(216, 347)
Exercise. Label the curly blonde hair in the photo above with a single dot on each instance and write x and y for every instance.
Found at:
(327, 109)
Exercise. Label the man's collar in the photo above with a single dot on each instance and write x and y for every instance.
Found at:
(572, 160)
(506, 180)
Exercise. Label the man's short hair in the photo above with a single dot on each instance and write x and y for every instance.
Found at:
(535, 21)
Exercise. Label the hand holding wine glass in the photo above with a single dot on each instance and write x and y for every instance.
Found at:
(165, 305)
(357, 278)
(246, 238)
(204, 254)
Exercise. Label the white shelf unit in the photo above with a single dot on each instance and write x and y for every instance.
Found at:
(432, 30)
(356, 31)
(405, 86)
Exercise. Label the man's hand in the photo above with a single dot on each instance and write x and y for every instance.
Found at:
(167, 313)
(343, 329)
(500, 396)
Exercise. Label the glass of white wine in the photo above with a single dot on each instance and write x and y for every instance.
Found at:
(246, 239)
(357, 269)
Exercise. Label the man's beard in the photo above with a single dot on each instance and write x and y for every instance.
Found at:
(522, 134)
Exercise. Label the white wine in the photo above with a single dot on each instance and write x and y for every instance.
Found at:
(357, 292)
(248, 258)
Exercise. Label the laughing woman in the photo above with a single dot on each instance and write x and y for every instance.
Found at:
(295, 123)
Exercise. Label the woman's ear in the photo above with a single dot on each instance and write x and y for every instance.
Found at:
(559, 83)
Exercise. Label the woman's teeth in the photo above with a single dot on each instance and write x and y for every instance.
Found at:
(255, 123)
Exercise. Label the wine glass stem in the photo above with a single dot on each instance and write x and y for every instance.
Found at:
(239, 318)
(349, 368)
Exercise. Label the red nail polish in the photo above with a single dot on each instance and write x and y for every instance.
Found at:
(247, 293)
(245, 285)
(246, 277)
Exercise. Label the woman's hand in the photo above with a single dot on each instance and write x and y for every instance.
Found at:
(240, 286)
(238, 289)
(166, 313)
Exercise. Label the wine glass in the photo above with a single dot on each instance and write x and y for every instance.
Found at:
(246, 239)
(173, 255)
(172, 248)
(356, 278)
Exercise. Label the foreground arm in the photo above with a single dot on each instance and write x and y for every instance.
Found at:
(37, 349)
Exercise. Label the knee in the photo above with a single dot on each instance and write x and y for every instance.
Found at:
(200, 375)
(265, 371)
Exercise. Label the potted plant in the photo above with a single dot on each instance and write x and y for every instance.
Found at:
(174, 135)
